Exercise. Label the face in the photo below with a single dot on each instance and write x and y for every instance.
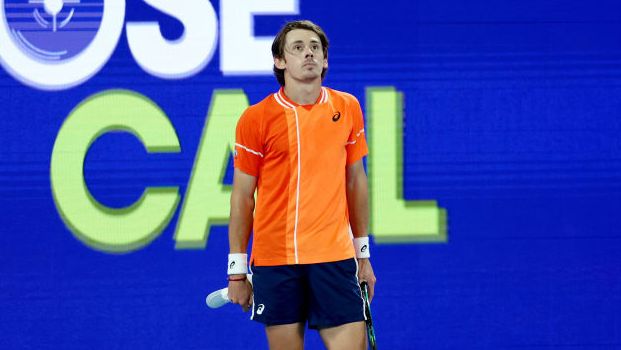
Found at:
(303, 56)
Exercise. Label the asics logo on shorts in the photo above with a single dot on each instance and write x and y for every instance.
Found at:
(260, 309)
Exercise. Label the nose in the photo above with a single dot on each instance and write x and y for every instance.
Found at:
(308, 52)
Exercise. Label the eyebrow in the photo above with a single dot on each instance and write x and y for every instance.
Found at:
(301, 41)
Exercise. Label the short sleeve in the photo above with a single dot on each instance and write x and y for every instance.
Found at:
(357, 142)
(248, 154)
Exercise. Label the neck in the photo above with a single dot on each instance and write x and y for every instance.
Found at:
(303, 93)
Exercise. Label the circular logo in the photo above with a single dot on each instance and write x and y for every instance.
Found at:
(58, 44)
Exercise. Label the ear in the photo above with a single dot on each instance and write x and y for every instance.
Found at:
(280, 63)
(325, 63)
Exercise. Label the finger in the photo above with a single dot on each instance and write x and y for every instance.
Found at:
(361, 272)
(371, 290)
(362, 277)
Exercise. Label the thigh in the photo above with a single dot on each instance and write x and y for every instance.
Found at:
(350, 336)
(279, 294)
(286, 336)
(334, 294)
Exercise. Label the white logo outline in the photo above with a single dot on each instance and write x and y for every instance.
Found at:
(72, 71)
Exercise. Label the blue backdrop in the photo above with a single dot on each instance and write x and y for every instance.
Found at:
(511, 123)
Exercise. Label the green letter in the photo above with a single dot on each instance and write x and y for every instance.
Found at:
(207, 199)
(100, 227)
(394, 219)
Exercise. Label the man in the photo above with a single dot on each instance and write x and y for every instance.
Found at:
(301, 149)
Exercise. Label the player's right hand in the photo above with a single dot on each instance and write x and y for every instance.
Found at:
(240, 292)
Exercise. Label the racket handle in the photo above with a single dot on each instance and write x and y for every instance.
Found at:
(218, 298)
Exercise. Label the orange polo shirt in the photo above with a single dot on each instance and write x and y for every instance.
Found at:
(298, 155)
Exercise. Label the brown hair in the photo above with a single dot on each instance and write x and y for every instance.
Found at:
(278, 45)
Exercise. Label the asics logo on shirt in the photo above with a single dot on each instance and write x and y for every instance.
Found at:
(336, 117)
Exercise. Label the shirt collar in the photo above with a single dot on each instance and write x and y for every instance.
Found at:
(284, 101)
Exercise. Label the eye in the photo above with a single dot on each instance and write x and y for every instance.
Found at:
(315, 47)
(297, 47)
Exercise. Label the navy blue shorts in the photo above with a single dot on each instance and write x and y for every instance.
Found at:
(324, 294)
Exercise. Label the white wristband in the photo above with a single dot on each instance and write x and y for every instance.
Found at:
(361, 244)
(238, 264)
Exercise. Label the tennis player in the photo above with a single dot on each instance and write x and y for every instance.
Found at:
(301, 150)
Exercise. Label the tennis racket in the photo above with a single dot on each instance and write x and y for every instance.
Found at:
(220, 297)
(367, 310)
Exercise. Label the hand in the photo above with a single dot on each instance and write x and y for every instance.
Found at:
(240, 292)
(365, 273)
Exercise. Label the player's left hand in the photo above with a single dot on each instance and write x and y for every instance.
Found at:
(365, 273)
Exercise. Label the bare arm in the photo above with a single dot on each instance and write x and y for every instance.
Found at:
(240, 226)
(358, 206)
(358, 199)
(242, 208)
